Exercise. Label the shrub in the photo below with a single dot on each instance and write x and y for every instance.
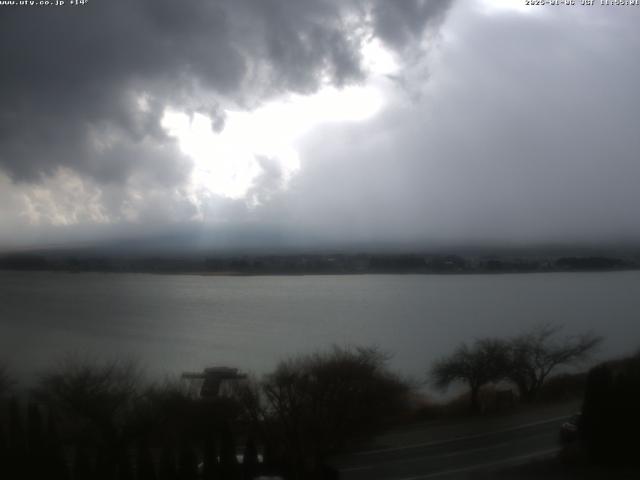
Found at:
(319, 403)
(611, 417)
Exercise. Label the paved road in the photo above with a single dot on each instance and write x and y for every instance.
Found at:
(455, 457)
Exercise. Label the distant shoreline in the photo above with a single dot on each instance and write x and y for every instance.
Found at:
(318, 274)
(316, 264)
(311, 274)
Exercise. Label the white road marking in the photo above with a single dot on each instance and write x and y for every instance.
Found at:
(479, 466)
(458, 439)
(419, 459)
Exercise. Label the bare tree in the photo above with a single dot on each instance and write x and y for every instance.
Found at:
(535, 354)
(92, 396)
(6, 381)
(320, 402)
(483, 362)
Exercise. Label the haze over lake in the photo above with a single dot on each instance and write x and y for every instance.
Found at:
(174, 323)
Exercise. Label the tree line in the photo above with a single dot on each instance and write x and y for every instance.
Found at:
(525, 361)
(100, 420)
(88, 419)
(316, 263)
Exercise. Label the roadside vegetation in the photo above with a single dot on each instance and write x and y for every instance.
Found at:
(87, 419)
(611, 416)
(606, 443)
(524, 362)
(6, 382)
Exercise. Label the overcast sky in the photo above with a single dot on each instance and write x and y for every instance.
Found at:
(402, 121)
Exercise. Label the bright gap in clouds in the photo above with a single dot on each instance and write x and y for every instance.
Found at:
(227, 163)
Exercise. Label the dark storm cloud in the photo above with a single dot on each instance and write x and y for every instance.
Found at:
(519, 127)
(401, 23)
(526, 132)
(85, 88)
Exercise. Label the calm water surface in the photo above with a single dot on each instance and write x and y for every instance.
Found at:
(181, 322)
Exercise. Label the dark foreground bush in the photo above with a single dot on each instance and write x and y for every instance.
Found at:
(6, 382)
(611, 424)
(562, 387)
(95, 420)
(320, 404)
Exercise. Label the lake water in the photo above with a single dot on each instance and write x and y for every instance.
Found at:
(174, 323)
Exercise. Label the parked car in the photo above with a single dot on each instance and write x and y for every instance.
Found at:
(570, 430)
